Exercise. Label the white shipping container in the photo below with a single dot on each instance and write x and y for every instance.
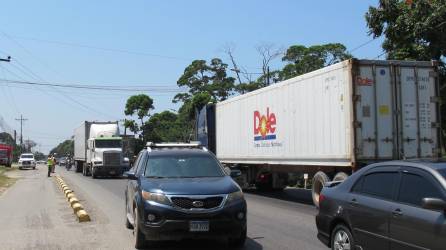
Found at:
(354, 111)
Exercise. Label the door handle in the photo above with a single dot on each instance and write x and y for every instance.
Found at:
(397, 212)
(354, 202)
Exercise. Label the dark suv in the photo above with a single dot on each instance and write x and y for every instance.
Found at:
(390, 205)
(179, 191)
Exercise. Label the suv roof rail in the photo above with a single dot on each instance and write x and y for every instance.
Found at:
(192, 144)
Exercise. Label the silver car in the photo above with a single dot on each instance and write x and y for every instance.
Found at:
(27, 161)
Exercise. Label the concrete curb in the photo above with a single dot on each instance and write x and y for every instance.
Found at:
(78, 209)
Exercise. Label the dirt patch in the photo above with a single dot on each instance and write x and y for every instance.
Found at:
(5, 180)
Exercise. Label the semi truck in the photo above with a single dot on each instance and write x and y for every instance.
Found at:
(98, 149)
(6, 155)
(328, 123)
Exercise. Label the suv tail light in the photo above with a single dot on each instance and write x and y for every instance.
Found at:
(321, 198)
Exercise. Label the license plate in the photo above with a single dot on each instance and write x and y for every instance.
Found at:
(199, 226)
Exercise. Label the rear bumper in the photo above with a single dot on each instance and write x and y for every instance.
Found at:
(174, 225)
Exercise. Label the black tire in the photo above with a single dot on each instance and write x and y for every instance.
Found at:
(238, 242)
(341, 176)
(339, 230)
(140, 241)
(319, 180)
(93, 173)
(34, 168)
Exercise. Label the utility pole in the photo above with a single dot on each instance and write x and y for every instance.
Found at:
(21, 119)
(267, 76)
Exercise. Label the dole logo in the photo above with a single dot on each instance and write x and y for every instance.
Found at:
(264, 126)
(364, 81)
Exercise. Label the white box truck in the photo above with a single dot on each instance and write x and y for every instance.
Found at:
(327, 123)
(98, 149)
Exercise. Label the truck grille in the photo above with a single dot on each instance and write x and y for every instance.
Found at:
(112, 158)
(206, 203)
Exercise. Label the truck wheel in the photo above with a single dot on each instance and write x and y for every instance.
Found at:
(341, 176)
(93, 173)
(84, 170)
(319, 180)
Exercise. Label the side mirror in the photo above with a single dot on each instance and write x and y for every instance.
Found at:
(236, 173)
(130, 175)
(433, 204)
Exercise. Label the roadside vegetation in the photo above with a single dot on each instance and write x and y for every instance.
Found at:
(5, 181)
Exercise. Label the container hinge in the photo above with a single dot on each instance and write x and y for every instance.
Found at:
(387, 139)
(356, 98)
(435, 99)
(369, 139)
(436, 125)
(433, 74)
(408, 139)
(425, 139)
(357, 124)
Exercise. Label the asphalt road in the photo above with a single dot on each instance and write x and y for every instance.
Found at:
(276, 221)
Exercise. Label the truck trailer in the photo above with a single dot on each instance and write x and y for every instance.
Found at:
(98, 149)
(6, 155)
(327, 123)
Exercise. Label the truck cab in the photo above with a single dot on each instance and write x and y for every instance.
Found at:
(104, 155)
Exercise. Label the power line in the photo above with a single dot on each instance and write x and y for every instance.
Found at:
(91, 87)
(124, 51)
(362, 45)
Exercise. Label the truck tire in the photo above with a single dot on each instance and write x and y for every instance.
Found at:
(93, 173)
(84, 169)
(319, 180)
(341, 176)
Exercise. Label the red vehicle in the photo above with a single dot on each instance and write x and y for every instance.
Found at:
(6, 155)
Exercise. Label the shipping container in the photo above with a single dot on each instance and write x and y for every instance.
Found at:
(335, 119)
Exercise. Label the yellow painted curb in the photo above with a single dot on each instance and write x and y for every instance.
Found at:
(73, 201)
(70, 195)
(76, 207)
(82, 216)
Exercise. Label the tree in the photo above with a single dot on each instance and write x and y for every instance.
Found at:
(413, 30)
(163, 127)
(303, 59)
(201, 77)
(64, 148)
(139, 105)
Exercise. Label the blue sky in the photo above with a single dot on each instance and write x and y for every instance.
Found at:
(177, 31)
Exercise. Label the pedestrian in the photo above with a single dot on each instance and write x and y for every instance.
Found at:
(50, 165)
(53, 168)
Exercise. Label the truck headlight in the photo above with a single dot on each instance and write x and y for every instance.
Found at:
(233, 197)
(155, 197)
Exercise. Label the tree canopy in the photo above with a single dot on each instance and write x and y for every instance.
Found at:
(64, 148)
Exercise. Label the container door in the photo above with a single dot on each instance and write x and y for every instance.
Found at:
(374, 104)
(417, 118)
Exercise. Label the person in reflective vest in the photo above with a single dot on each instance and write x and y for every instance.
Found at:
(50, 163)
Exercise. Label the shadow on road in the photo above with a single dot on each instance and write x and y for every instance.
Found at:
(289, 194)
(199, 244)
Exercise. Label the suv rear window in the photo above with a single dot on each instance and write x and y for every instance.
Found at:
(27, 156)
(182, 166)
(379, 184)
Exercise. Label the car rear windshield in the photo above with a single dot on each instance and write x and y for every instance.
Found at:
(27, 156)
(182, 166)
(108, 144)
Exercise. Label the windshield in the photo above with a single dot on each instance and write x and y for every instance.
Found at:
(27, 156)
(108, 144)
(182, 166)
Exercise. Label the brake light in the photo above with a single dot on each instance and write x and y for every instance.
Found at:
(321, 198)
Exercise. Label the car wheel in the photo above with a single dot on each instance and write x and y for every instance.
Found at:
(238, 242)
(342, 238)
(140, 240)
